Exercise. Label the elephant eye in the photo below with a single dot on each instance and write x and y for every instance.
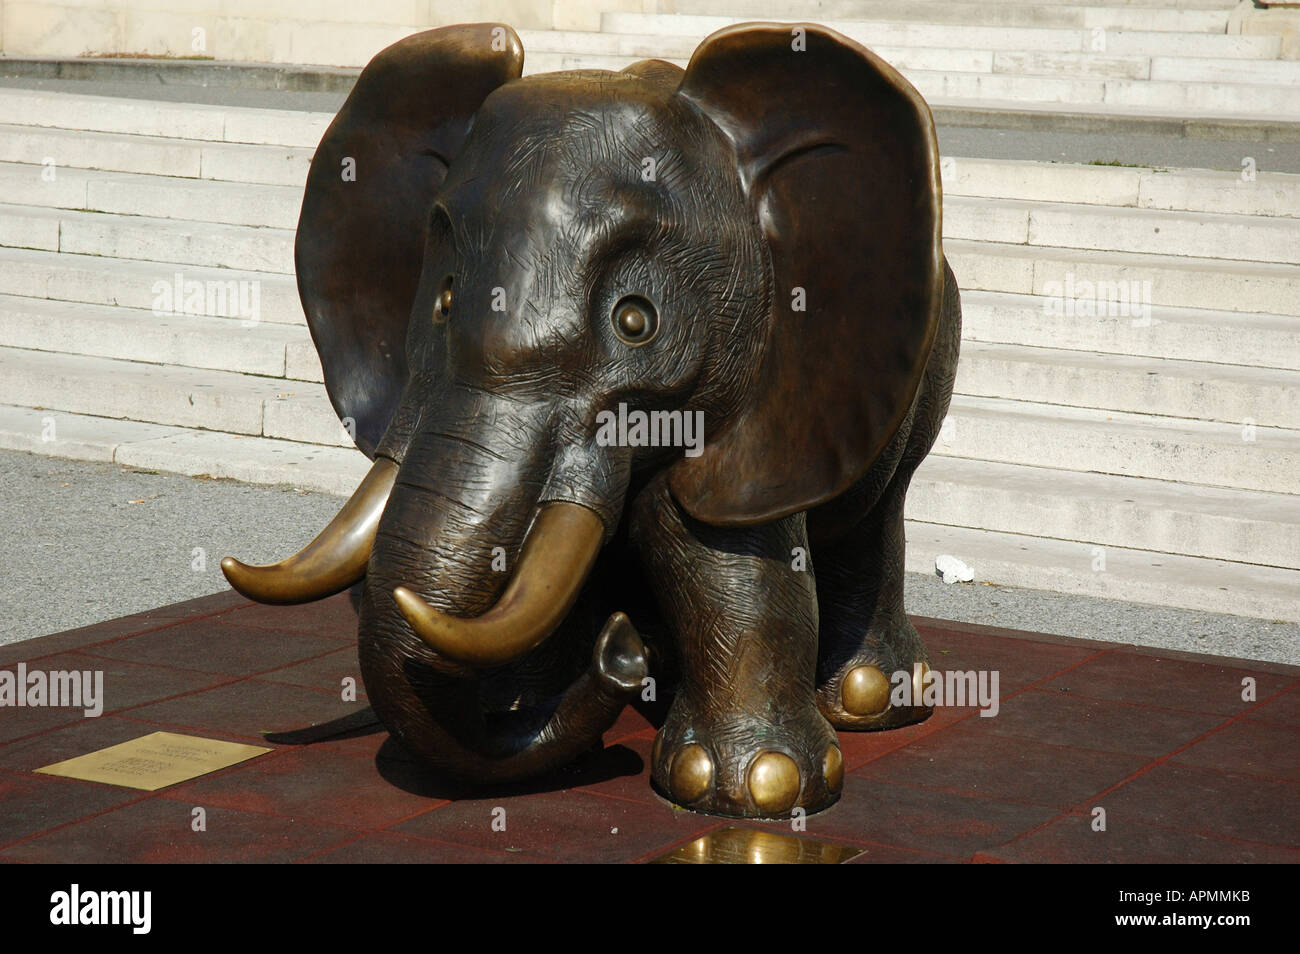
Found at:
(442, 305)
(635, 320)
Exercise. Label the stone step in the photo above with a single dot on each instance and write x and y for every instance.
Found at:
(1218, 391)
(1074, 275)
(1182, 334)
(535, 63)
(1095, 119)
(1139, 576)
(1268, 194)
(230, 203)
(1174, 190)
(154, 155)
(148, 239)
(129, 334)
(634, 44)
(1155, 43)
(1175, 69)
(1107, 510)
(387, 12)
(151, 286)
(1246, 455)
(1155, 98)
(955, 88)
(1172, 69)
(162, 118)
(1088, 64)
(241, 162)
(63, 148)
(255, 460)
(966, 13)
(1179, 388)
(889, 31)
(308, 40)
(1257, 238)
(1148, 4)
(562, 49)
(184, 397)
(302, 40)
(1194, 190)
(1194, 390)
(1106, 64)
(547, 49)
(1008, 224)
(1215, 454)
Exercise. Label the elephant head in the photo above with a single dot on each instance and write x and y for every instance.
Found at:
(494, 269)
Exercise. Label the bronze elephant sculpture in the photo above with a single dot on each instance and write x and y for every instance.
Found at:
(529, 295)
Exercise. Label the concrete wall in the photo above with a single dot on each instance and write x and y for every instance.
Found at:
(326, 32)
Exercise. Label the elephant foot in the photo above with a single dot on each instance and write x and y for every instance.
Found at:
(859, 692)
(742, 767)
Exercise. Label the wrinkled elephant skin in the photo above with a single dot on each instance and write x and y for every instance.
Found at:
(645, 361)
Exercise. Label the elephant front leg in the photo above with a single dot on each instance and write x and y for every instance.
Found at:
(866, 640)
(743, 737)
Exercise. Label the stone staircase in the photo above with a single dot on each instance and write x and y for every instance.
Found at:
(1144, 447)
(1097, 58)
(149, 279)
(1147, 453)
(1092, 55)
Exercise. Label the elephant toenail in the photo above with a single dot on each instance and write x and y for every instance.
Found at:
(774, 782)
(918, 682)
(692, 773)
(833, 768)
(865, 691)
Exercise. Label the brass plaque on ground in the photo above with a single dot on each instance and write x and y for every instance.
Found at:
(752, 846)
(155, 761)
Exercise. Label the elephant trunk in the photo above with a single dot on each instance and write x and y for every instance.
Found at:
(558, 553)
(440, 593)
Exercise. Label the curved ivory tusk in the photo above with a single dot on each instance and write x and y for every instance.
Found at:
(557, 556)
(333, 561)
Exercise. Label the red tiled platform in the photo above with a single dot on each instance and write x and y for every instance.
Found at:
(1184, 768)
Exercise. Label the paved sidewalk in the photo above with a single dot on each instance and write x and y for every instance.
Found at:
(89, 542)
(1185, 770)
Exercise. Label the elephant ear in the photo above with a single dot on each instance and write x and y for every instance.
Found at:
(361, 234)
(837, 155)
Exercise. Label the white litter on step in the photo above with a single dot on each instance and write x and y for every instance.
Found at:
(953, 570)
